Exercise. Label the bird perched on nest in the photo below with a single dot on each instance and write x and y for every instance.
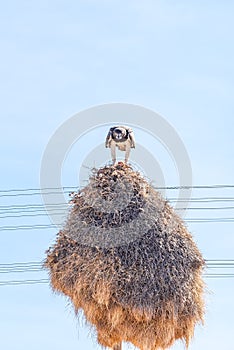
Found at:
(121, 137)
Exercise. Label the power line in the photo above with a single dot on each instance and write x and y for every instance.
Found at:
(30, 215)
(40, 263)
(46, 281)
(30, 263)
(202, 199)
(21, 282)
(219, 275)
(39, 207)
(64, 205)
(193, 187)
(53, 226)
(28, 227)
(64, 189)
(38, 189)
(189, 220)
(19, 270)
(32, 194)
(42, 209)
(38, 266)
(209, 220)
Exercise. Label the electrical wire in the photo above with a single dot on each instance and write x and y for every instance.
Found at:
(53, 226)
(58, 211)
(46, 281)
(38, 266)
(38, 210)
(64, 205)
(40, 263)
(38, 189)
(62, 213)
(21, 282)
(67, 189)
(28, 227)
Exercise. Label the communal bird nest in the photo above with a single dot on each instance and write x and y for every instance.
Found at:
(126, 259)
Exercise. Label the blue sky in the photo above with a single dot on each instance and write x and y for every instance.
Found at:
(60, 57)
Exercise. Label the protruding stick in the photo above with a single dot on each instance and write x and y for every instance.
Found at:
(117, 347)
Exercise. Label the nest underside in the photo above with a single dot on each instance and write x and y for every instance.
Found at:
(146, 288)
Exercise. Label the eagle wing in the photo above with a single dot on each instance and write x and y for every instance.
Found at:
(132, 138)
(108, 138)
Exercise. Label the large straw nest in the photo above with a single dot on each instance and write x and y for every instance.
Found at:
(133, 269)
